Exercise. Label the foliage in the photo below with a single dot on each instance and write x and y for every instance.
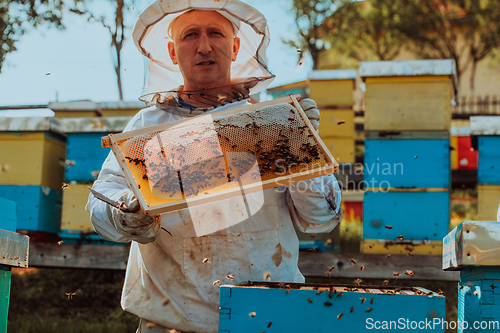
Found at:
(310, 16)
(19, 16)
(116, 28)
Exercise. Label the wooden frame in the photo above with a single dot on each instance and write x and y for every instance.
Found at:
(112, 141)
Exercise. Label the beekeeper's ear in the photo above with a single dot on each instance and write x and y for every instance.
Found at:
(236, 48)
(171, 52)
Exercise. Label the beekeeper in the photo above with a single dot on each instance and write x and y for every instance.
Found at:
(205, 56)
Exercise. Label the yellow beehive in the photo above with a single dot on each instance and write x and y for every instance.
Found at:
(332, 87)
(342, 149)
(31, 153)
(408, 95)
(74, 216)
(375, 246)
(488, 199)
(336, 123)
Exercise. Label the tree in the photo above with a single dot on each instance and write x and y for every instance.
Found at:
(116, 29)
(310, 15)
(19, 16)
(464, 30)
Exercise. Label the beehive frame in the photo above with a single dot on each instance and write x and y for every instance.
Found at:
(330, 166)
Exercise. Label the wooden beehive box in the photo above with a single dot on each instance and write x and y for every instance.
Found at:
(293, 307)
(84, 158)
(486, 131)
(217, 156)
(32, 152)
(90, 109)
(402, 212)
(488, 199)
(342, 149)
(38, 207)
(463, 155)
(403, 161)
(408, 95)
(337, 123)
(333, 88)
(404, 247)
(74, 216)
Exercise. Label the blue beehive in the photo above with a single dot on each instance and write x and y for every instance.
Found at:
(407, 163)
(38, 207)
(279, 307)
(416, 215)
(488, 171)
(85, 155)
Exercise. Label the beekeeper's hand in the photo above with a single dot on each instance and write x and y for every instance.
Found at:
(138, 227)
(311, 110)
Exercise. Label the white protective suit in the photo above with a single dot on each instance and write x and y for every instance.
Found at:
(168, 281)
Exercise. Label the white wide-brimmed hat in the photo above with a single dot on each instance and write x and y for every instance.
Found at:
(162, 77)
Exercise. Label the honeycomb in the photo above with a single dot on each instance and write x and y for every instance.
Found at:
(215, 153)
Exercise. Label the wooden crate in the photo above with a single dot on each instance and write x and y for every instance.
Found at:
(382, 246)
(342, 149)
(38, 207)
(488, 172)
(290, 307)
(416, 215)
(407, 163)
(479, 298)
(74, 216)
(217, 147)
(488, 200)
(337, 123)
(32, 158)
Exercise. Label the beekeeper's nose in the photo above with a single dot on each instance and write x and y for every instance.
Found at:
(204, 46)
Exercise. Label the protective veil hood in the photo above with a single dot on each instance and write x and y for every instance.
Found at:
(163, 78)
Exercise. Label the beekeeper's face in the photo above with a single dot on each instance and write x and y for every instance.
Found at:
(204, 45)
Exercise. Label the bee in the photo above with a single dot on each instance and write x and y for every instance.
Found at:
(173, 331)
(353, 261)
(440, 292)
(415, 156)
(216, 282)
(269, 325)
(410, 254)
(328, 242)
(311, 235)
(64, 186)
(409, 273)
(319, 292)
(340, 316)
(328, 304)
(312, 249)
(396, 275)
(388, 255)
(371, 300)
(357, 282)
(340, 294)
(388, 227)
(166, 302)
(400, 238)
(150, 325)
(361, 268)
(59, 243)
(369, 310)
(70, 295)
(385, 283)
(352, 309)
(461, 287)
(363, 300)
(287, 291)
(230, 277)
(309, 300)
(252, 314)
(267, 276)
(340, 122)
(206, 260)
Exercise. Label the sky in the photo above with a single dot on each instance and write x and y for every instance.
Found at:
(76, 63)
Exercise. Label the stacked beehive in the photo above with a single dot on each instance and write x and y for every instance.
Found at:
(32, 152)
(333, 91)
(84, 160)
(485, 131)
(407, 155)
